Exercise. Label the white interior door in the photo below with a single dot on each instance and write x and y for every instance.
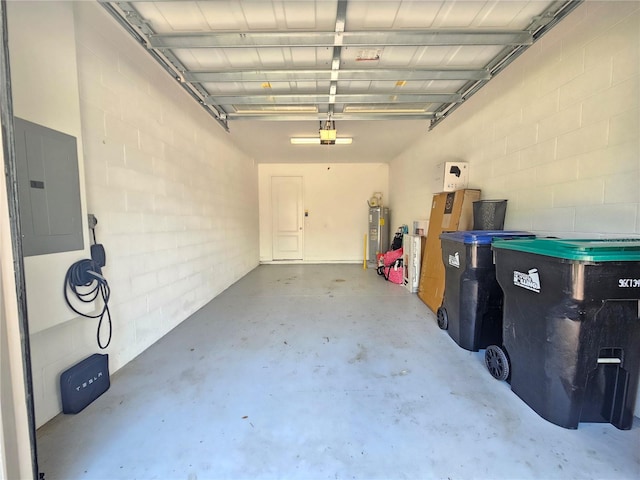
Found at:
(287, 213)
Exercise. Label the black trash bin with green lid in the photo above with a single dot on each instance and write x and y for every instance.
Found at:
(571, 327)
(471, 310)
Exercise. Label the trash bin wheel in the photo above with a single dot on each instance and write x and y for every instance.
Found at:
(443, 318)
(497, 362)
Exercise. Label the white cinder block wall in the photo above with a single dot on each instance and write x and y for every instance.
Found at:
(557, 133)
(177, 204)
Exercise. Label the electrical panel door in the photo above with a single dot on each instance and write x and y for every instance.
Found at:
(48, 190)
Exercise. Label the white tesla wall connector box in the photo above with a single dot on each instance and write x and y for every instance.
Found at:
(451, 176)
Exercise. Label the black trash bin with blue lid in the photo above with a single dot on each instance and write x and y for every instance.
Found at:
(471, 310)
(571, 327)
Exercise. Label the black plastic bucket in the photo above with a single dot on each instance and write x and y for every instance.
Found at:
(489, 214)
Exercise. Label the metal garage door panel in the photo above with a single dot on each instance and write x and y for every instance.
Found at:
(306, 57)
(474, 56)
(225, 58)
(310, 15)
(437, 86)
(228, 88)
(257, 55)
(169, 17)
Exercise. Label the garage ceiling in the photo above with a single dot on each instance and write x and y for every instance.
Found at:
(340, 60)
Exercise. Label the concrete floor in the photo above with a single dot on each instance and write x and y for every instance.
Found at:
(320, 371)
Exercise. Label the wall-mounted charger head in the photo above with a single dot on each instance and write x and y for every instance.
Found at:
(98, 255)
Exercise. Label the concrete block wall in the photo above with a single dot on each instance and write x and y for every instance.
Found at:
(557, 133)
(177, 204)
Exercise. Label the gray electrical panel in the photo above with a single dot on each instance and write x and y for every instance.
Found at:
(48, 190)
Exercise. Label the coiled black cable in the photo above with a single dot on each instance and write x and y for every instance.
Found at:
(84, 279)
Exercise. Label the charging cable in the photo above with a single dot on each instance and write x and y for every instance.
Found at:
(85, 281)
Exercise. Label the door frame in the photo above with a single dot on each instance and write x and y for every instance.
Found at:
(22, 425)
(300, 219)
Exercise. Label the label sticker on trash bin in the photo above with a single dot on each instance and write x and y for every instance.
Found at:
(529, 280)
(454, 260)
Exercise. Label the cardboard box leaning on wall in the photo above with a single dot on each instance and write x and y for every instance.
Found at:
(450, 211)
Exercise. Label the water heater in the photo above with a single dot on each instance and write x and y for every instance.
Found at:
(378, 232)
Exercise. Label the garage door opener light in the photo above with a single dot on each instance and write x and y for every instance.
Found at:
(327, 135)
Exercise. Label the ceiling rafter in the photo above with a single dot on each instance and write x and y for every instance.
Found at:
(341, 17)
(314, 98)
(343, 74)
(284, 117)
(346, 39)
